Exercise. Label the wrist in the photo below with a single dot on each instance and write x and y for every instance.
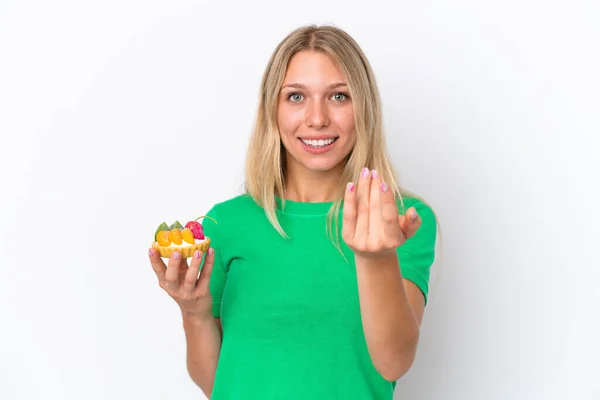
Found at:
(380, 258)
(194, 318)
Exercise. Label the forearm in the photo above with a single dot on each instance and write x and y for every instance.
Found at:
(203, 340)
(390, 325)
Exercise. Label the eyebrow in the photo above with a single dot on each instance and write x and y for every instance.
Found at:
(301, 86)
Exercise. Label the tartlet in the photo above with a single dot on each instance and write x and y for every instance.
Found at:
(186, 240)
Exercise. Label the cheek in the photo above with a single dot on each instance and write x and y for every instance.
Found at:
(287, 120)
(344, 119)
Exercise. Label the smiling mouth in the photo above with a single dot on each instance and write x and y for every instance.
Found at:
(318, 143)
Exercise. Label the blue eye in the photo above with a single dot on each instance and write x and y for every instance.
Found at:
(340, 96)
(295, 97)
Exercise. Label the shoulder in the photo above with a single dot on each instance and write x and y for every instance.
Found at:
(239, 221)
(235, 206)
(412, 200)
(232, 211)
(417, 254)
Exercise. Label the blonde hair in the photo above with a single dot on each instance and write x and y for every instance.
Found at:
(265, 165)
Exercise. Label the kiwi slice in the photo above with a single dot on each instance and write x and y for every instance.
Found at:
(177, 225)
(161, 227)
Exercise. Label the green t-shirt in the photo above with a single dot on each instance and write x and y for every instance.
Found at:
(290, 308)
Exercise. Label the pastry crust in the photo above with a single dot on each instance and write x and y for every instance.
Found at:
(186, 251)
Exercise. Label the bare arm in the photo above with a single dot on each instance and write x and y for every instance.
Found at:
(203, 340)
(191, 292)
(391, 309)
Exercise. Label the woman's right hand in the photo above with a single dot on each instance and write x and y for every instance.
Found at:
(181, 282)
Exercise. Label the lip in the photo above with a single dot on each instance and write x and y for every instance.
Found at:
(322, 150)
(319, 137)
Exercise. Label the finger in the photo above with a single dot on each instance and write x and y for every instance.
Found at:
(362, 204)
(191, 276)
(158, 265)
(203, 285)
(410, 222)
(389, 211)
(375, 219)
(183, 264)
(172, 274)
(349, 216)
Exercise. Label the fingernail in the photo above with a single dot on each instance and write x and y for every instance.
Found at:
(414, 215)
(384, 187)
(365, 172)
(374, 174)
(176, 255)
(350, 186)
(197, 254)
(210, 251)
(151, 252)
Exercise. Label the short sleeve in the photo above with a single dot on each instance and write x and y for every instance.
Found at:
(218, 276)
(417, 254)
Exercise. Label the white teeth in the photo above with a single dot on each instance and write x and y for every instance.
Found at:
(318, 143)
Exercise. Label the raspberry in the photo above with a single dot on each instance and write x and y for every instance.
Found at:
(196, 229)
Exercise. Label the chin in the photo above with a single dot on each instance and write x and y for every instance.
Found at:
(320, 165)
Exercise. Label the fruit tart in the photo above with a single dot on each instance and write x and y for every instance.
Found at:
(186, 239)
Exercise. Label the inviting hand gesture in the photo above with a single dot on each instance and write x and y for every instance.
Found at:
(372, 226)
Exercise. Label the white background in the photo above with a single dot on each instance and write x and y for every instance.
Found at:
(117, 115)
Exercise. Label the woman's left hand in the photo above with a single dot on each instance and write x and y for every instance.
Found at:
(372, 226)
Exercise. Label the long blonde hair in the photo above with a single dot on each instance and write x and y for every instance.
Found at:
(265, 163)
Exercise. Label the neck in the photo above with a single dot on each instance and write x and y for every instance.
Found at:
(312, 186)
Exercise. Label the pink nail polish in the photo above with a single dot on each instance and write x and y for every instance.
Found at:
(210, 251)
(384, 187)
(350, 187)
(413, 215)
(176, 255)
(374, 174)
(197, 254)
(365, 172)
(151, 252)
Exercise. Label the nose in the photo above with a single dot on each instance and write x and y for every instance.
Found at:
(317, 115)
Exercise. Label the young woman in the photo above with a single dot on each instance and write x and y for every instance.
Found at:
(317, 278)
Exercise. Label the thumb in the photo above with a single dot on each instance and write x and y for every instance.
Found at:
(409, 222)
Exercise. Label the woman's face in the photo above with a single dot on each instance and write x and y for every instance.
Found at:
(315, 114)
